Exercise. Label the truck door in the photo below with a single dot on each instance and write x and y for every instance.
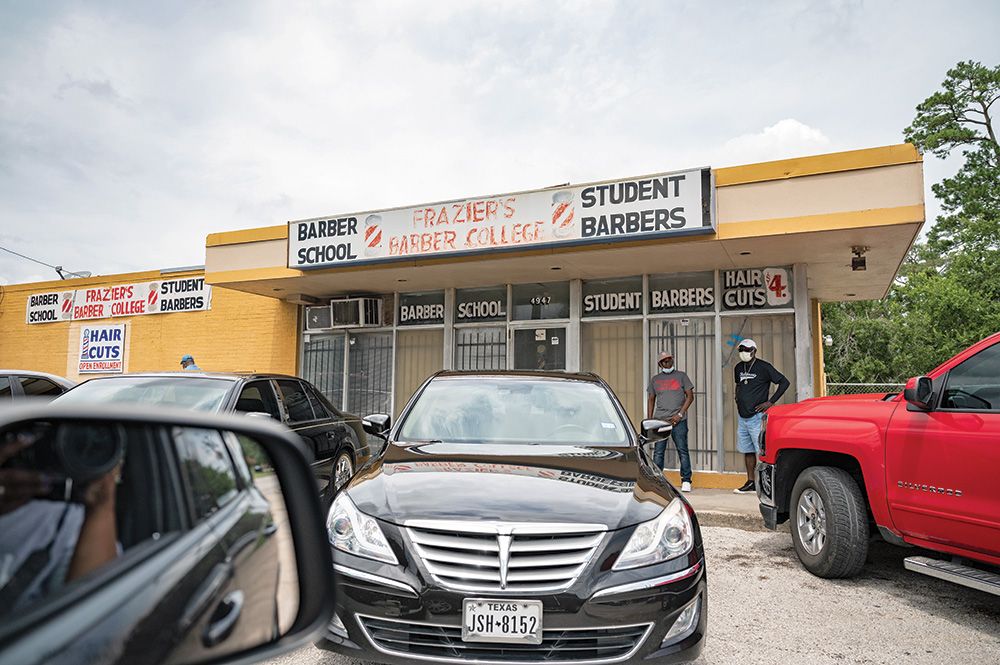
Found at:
(941, 465)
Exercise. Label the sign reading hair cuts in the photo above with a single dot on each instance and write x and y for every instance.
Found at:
(658, 206)
(102, 349)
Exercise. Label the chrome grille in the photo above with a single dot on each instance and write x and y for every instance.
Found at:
(444, 643)
(497, 556)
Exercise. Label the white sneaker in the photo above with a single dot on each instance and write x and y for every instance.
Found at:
(685, 486)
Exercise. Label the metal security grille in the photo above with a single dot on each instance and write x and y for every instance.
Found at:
(500, 557)
(444, 644)
(323, 365)
(692, 341)
(481, 348)
(370, 379)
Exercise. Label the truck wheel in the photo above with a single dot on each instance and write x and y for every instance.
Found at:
(830, 523)
(343, 469)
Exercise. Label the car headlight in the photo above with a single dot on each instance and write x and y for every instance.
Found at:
(668, 536)
(351, 531)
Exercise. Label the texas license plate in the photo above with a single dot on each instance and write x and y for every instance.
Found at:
(515, 621)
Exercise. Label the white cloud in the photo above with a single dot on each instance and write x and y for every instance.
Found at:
(786, 139)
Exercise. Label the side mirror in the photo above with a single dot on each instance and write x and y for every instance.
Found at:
(654, 430)
(157, 535)
(919, 391)
(377, 424)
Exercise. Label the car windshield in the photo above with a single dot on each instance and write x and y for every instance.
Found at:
(497, 409)
(196, 392)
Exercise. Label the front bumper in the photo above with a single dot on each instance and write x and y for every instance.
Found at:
(764, 483)
(385, 621)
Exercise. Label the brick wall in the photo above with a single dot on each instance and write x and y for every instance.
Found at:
(240, 332)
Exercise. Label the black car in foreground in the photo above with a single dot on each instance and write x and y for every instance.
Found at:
(337, 440)
(516, 517)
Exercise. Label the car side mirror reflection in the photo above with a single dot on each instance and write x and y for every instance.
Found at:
(377, 424)
(654, 430)
(163, 535)
(919, 391)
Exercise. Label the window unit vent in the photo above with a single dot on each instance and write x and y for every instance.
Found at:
(319, 318)
(356, 313)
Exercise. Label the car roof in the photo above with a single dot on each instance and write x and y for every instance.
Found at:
(61, 380)
(522, 374)
(213, 375)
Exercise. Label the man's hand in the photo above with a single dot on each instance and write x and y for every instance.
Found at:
(763, 406)
(674, 419)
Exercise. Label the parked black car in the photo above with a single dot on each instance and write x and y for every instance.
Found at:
(133, 535)
(337, 439)
(18, 383)
(516, 517)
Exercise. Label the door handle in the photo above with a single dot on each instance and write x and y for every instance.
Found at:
(223, 619)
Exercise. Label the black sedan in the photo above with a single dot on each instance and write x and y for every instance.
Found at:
(516, 517)
(337, 439)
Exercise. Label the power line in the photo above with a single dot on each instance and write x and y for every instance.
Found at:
(58, 269)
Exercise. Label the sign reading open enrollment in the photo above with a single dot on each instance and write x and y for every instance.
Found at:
(657, 206)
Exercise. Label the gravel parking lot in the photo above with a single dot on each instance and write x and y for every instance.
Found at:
(765, 609)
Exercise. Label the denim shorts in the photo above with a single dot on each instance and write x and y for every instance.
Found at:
(748, 433)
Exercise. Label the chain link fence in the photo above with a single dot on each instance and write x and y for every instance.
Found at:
(866, 388)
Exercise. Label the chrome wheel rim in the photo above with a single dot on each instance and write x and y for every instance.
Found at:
(811, 522)
(343, 471)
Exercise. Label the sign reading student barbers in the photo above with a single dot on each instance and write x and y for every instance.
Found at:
(657, 206)
(100, 302)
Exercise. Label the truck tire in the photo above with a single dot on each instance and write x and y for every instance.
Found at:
(829, 522)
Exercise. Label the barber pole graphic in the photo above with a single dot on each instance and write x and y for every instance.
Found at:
(85, 344)
(67, 306)
(153, 297)
(562, 214)
(373, 235)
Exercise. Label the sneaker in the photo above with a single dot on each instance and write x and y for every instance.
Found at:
(685, 486)
(747, 488)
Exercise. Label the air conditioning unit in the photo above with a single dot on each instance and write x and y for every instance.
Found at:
(356, 312)
(319, 318)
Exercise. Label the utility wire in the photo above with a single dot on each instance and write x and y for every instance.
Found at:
(58, 269)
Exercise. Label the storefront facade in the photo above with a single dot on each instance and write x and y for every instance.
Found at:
(598, 277)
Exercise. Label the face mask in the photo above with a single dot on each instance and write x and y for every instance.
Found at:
(668, 370)
(745, 356)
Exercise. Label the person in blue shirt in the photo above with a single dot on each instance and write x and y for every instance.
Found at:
(187, 362)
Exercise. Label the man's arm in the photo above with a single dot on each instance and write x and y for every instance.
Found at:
(650, 403)
(688, 399)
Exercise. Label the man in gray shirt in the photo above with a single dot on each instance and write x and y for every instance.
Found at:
(671, 393)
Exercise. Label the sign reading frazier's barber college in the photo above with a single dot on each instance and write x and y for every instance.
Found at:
(658, 206)
(174, 295)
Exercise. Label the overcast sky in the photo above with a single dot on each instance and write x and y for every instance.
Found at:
(130, 130)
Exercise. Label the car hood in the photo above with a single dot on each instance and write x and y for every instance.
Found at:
(517, 483)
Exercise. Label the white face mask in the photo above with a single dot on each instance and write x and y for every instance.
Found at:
(745, 356)
(667, 370)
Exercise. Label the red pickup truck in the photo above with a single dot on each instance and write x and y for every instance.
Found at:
(920, 468)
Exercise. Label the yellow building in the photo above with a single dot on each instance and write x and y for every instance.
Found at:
(596, 277)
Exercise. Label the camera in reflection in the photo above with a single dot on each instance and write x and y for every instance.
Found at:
(71, 455)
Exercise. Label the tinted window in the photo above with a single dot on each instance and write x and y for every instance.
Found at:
(207, 469)
(5, 391)
(37, 386)
(187, 392)
(975, 383)
(296, 402)
(257, 397)
(316, 403)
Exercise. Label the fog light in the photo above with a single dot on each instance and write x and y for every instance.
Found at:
(337, 626)
(685, 623)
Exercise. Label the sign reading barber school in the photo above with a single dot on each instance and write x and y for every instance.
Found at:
(648, 207)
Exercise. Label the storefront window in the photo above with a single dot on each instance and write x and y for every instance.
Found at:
(481, 305)
(481, 347)
(540, 300)
(612, 297)
(540, 348)
(682, 292)
(421, 309)
(419, 353)
(692, 341)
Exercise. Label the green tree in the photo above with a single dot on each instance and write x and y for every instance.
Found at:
(947, 294)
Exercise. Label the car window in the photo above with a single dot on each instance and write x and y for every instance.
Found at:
(5, 389)
(207, 470)
(199, 393)
(32, 385)
(504, 410)
(974, 384)
(296, 402)
(318, 407)
(257, 397)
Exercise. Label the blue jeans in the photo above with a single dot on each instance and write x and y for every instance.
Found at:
(680, 435)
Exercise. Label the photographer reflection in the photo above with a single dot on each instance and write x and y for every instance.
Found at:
(57, 509)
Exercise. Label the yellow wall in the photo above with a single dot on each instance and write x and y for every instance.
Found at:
(241, 332)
